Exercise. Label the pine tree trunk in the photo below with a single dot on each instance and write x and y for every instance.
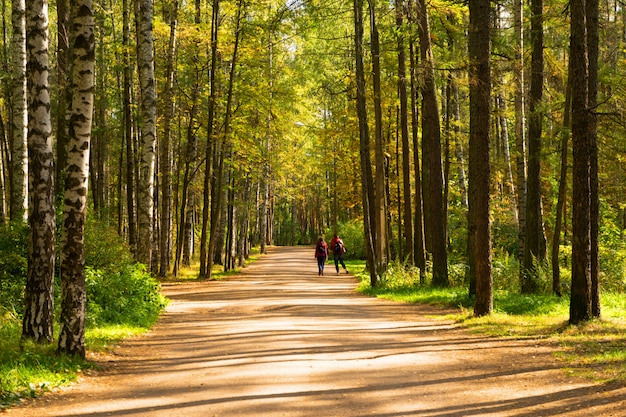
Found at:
(406, 149)
(431, 134)
(184, 241)
(533, 253)
(165, 159)
(480, 90)
(3, 171)
(580, 297)
(38, 317)
(188, 235)
(520, 128)
(380, 201)
(209, 216)
(367, 180)
(591, 8)
(74, 299)
(419, 251)
(510, 183)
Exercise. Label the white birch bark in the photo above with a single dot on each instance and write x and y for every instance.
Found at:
(19, 183)
(147, 139)
(72, 333)
(39, 303)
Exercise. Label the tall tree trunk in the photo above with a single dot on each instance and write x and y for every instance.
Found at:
(580, 297)
(3, 171)
(510, 183)
(480, 90)
(367, 180)
(19, 160)
(165, 159)
(562, 193)
(591, 8)
(63, 95)
(534, 223)
(431, 133)
(38, 317)
(380, 204)
(187, 197)
(520, 128)
(74, 298)
(148, 142)
(231, 212)
(404, 126)
(99, 141)
(188, 229)
(6, 130)
(215, 146)
(419, 251)
(128, 131)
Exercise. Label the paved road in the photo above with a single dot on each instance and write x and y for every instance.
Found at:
(278, 340)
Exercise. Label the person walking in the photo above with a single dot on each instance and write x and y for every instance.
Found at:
(321, 253)
(338, 248)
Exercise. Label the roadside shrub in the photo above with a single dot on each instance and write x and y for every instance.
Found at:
(353, 238)
(119, 291)
(104, 248)
(128, 296)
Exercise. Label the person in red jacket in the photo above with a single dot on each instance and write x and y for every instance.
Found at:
(338, 249)
(321, 253)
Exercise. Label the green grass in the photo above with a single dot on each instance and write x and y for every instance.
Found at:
(595, 350)
(28, 369)
(190, 273)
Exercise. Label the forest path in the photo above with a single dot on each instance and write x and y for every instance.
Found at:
(277, 340)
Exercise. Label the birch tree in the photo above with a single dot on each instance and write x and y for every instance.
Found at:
(73, 304)
(147, 137)
(19, 161)
(37, 321)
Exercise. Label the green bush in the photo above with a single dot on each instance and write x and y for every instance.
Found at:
(129, 296)
(353, 238)
(104, 248)
(119, 291)
(13, 265)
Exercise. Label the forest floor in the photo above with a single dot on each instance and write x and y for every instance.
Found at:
(277, 340)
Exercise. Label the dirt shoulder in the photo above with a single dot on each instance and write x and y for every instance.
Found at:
(277, 340)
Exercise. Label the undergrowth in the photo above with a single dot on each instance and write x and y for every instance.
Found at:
(122, 300)
(595, 349)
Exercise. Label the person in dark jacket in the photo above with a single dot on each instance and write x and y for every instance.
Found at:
(321, 253)
(338, 249)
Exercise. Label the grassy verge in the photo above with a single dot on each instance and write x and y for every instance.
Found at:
(28, 369)
(594, 350)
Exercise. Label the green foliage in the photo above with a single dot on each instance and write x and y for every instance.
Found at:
(27, 369)
(104, 248)
(13, 265)
(129, 296)
(352, 235)
(122, 299)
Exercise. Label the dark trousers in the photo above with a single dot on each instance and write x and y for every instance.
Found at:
(339, 260)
